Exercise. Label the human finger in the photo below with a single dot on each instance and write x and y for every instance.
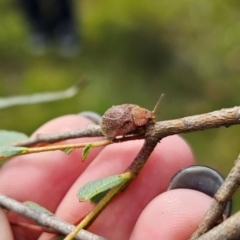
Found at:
(172, 215)
(5, 229)
(120, 216)
(45, 177)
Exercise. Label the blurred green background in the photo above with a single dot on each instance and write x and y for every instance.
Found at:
(133, 51)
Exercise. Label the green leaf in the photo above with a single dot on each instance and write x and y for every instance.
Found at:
(97, 198)
(37, 207)
(86, 151)
(8, 151)
(91, 189)
(68, 150)
(59, 238)
(8, 137)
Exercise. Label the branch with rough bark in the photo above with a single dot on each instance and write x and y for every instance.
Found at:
(45, 219)
(221, 118)
(154, 133)
(219, 203)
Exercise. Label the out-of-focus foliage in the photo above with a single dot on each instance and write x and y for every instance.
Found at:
(133, 51)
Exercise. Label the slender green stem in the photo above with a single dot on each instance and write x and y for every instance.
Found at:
(133, 170)
(67, 146)
(25, 150)
(93, 214)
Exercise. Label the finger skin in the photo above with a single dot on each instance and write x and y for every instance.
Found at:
(53, 178)
(46, 177)
(119, 217)
(172, 215)
(5, 229)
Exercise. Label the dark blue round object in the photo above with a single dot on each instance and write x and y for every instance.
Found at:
(201, 178)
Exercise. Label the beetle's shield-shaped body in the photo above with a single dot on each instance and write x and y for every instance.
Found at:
(123, 119)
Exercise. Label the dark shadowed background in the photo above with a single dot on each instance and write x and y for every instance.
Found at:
(133, 51)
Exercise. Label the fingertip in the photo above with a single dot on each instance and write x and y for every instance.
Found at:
(63, 123)
(170, 155)
(5, 229)
(176, 147)
(23, 176)
(172, 215)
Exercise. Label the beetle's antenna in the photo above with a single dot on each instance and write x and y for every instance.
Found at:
(158, 102)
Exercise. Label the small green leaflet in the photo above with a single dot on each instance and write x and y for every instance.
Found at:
(8, 151)
(91, 189)
(86, 151)
(59, 238)
(97, 198)
(68, 150)
(37, 207)
(9, 137)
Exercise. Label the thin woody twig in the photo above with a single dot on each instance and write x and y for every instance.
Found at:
(223, 117)
(134, 168)
(142, 157)
(33, 227)
(221, 198)
(154, 131)
(45, 219)
(88, 131)
(229, 229)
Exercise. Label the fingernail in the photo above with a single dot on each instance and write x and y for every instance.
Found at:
(200, 178)
(93, 116)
